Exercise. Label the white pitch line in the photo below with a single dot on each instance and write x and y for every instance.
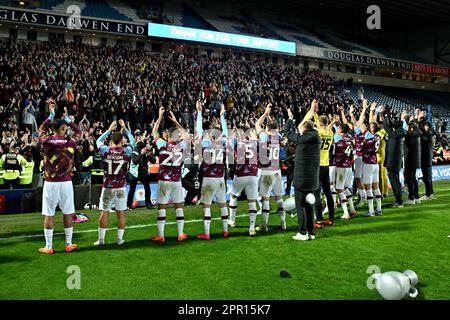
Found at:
(138, 226)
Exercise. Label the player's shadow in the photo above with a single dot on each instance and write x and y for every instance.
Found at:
(140, 243)
(393, 227)
(12, 259)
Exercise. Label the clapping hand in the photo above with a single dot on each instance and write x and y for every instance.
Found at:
(112, 126)
(122, 124)
(290, 115)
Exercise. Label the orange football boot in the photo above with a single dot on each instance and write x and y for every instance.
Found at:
(46, 250)
(158, 239)
(71, 248)
(203, 236)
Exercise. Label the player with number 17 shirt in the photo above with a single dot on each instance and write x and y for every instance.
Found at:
(115, 159)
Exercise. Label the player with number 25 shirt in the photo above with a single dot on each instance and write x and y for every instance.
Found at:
(115, 165)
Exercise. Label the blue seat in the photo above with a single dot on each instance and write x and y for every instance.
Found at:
(101, 9)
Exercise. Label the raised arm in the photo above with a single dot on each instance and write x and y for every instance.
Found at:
(312, 112)
(260, 121)
(46, 124)
(199, 121)
(178, 125)
(352, 115)
(223, 122)
(362, 116)
(373, 115)
(101, 140)
(128, 134)
(334, 121)
(72, 124)
(155, 133)
(344, 118)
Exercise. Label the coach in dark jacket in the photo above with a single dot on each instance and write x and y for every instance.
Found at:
(412, 160)
(426, 157)
(140, 159)
(306, 173)
(394, 153)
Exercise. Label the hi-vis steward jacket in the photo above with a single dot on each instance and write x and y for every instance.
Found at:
(96, 162)
(10, 165)
(26, 175)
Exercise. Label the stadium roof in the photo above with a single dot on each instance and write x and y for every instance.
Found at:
(395, 15)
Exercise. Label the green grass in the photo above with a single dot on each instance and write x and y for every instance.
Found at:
(332, 267)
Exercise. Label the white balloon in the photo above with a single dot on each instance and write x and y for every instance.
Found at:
(394, 285)
(310, 198)
(289, 204)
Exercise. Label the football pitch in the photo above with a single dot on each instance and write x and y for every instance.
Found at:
(334, 266)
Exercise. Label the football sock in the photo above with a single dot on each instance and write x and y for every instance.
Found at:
(224, 216)
(48, 237)
(333, 194)
(362, 193)
(260, 204)
(233, 208)
(120, 233)
(207, 219)
(281, 211)
(370, 200)
(101, 234)
(180, 220)
(265, 212)
(161, 221)
(252, 214)
(349, 197)
(343, 199)
(377, 194)
(68, 232)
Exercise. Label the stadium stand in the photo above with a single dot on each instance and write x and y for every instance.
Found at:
(212, 18)
(192, 19)
(102, 9)
(400, 99)
(51, 4)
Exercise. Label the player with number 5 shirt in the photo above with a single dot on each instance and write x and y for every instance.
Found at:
(371, 172)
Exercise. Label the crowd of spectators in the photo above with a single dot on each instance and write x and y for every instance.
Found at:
(101, 84)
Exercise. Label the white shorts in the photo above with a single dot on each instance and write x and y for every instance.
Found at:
(344, 178)
(57, 194)
(370, 173)
(113, 197)
(358, 167)
(270, 181)
(247, 183)
(332, 174)
(213, 187)
(170, 189)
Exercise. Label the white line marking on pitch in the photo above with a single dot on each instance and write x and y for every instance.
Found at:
(138, 226)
